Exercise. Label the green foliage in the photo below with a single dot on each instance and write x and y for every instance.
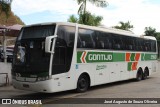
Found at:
(124, 26)
(73, 19)
(7, 17)
(90, 19)
(149, 31)
(158, 35)
(83, 3)
(87, 19)
(5, 6)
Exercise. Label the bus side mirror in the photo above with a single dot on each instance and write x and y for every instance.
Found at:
(49, 43)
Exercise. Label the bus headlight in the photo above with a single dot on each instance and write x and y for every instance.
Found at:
(43, 78)
(21, 54)
(18, 56)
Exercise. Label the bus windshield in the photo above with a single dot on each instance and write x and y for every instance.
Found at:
(30, 58)
(37, 32)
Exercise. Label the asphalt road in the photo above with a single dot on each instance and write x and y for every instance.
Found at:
(149, 88)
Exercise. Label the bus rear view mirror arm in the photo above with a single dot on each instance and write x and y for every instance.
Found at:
(49, 43)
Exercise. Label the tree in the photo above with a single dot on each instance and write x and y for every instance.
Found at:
(158, 39)
(124, 26)
(86, 17)
(73, 19)
(91, 19)
(158, 36)
(83, 5)
(5, 6)
(149, 31)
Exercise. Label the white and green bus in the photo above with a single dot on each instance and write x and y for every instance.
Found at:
(54, 57)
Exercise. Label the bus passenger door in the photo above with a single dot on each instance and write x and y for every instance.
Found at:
(63, 57)
(59, 65)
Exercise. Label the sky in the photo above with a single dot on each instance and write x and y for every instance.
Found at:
(140, 13)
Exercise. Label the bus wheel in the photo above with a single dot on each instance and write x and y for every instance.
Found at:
(83, 83)
(145, 74)
(139, 75)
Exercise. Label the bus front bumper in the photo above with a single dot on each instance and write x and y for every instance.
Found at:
(48, 86)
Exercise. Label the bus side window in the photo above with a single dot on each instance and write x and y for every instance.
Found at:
(125, 42)
(118, 45)
(106, 40)
(153, 46)
(128, 43)
(102, 44)
(138, 45)
(96, 38)
(71, 40)
(61, 42)
(79, 44)
(145, 45)
(107, 43)
(86, 39)
(83, 43)
(142, 45)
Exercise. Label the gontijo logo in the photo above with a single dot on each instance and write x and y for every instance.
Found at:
(90, 57)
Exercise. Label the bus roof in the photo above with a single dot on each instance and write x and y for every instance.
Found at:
(150, 37)
(104, 29)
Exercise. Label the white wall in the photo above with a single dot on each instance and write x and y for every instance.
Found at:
(5, 68)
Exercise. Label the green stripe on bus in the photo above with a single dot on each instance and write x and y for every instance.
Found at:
(129, 66)
(132, 58)
(118, 57)
(142, 56)
(79, 54)
(92, 57)
(150, 57)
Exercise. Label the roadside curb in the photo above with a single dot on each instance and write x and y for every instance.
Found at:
(10, 87)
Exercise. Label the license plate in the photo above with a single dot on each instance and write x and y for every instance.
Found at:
(26, 85)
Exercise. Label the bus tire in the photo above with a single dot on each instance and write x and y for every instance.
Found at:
(139, 75)
(83, 83)
(145, 74)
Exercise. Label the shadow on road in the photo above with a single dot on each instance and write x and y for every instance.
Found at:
(116, 83)
(73, 93)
